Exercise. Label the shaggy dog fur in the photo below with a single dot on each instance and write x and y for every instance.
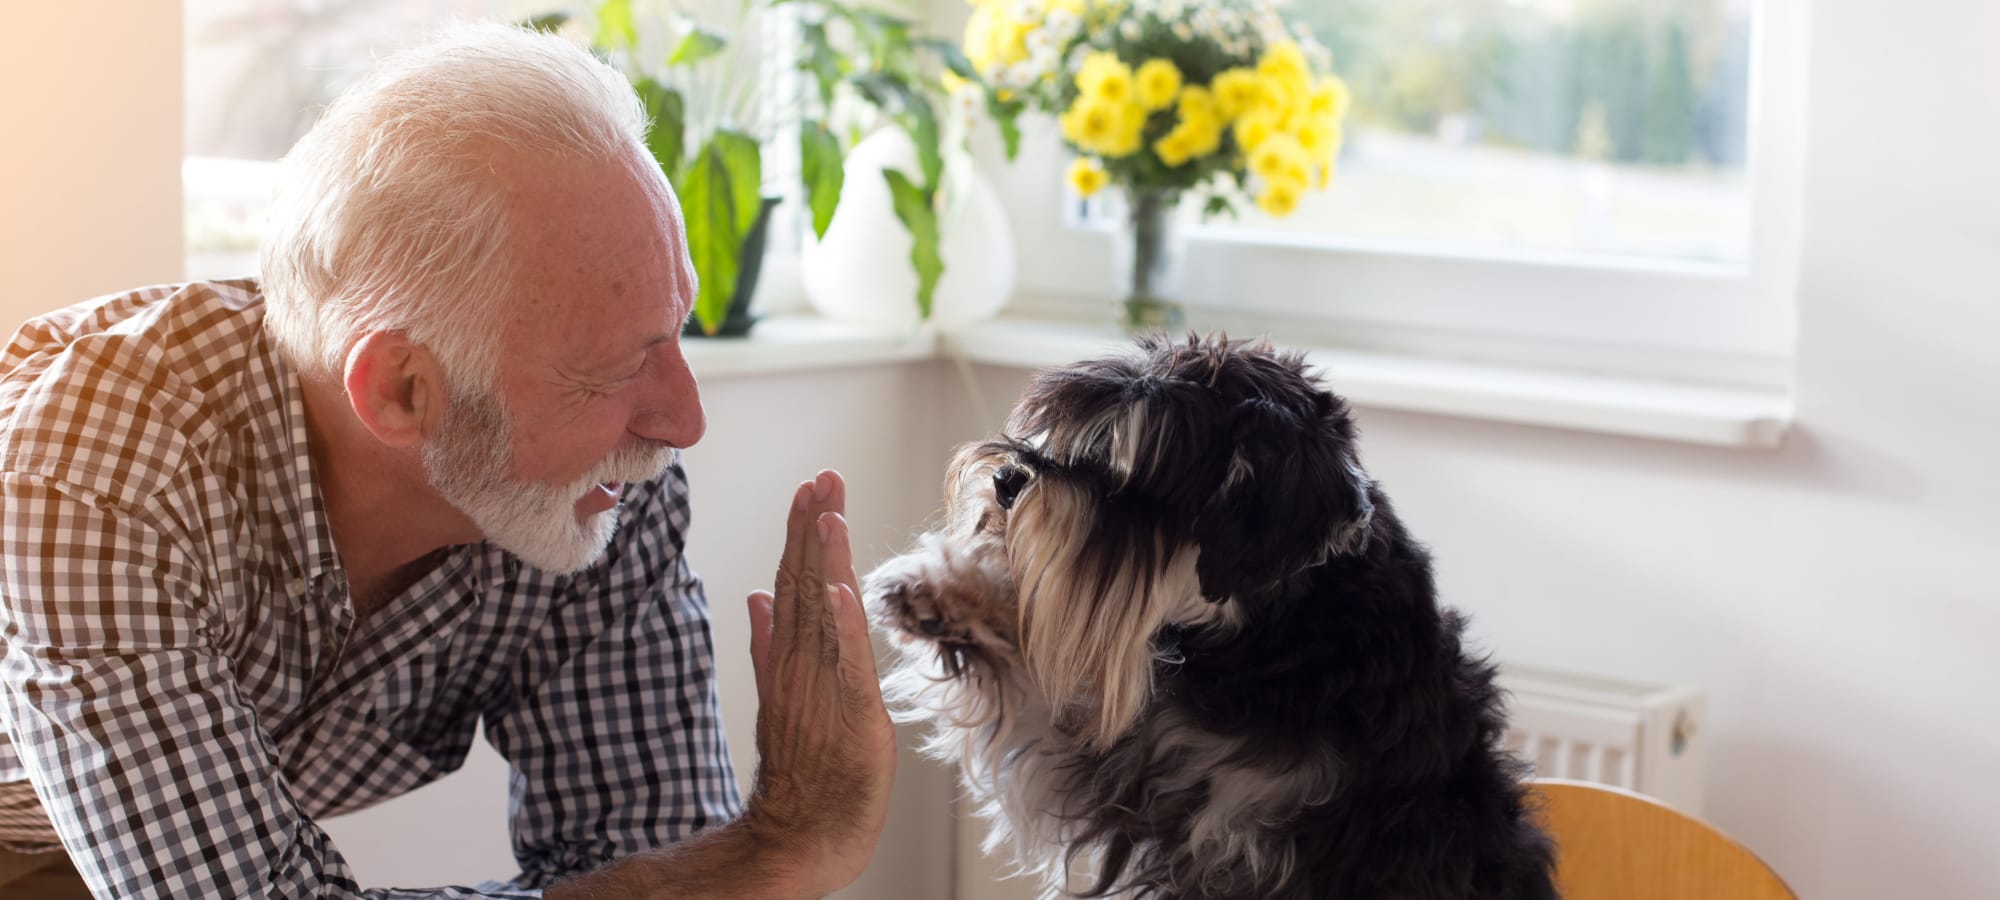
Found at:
(1177, 641)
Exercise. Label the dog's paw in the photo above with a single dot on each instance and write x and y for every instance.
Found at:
(913, 608)
(901, 599)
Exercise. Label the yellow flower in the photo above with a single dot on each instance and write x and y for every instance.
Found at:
(1115, 86)
(1198, 105)
(1283, 61)
(1104, 76)
(1175, 149)
(1251, 132)
(1158, 82)
(1092, 122)
(1236, 92)
(993, 38)
(1100, 126)
(1280, 197)
(1278, 101)
(1203, 137)
(1325, 174)
(1087, 176)
(1126, 134)
(1279, 156)
(979, 38)
(1200, 121)
(1320, 139)
(1329, 98)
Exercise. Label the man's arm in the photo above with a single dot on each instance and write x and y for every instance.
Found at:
(826, 748)
(151, 765)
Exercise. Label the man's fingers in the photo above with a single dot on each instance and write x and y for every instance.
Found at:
(791, 564)
(760, 636)
(837, 566)
(810, 574)
(857, 653)
(837, 550)
(843, 571)
(836, 500)
(801, 622)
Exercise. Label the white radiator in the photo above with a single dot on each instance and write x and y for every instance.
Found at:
(1643, 737)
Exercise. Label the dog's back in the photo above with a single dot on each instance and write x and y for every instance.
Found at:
(1357, 670)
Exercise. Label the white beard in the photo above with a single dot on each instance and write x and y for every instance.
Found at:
(536, 521)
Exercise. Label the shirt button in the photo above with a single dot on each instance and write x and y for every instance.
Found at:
(297, 587)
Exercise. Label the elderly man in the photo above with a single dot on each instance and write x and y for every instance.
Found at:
(269, 551)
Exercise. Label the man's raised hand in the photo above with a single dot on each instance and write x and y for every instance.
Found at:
(826, 750)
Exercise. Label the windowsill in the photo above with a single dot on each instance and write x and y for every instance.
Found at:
(1689, 413)
(784, 344)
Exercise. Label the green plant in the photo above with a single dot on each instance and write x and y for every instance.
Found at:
(706, 137)
(882, 60)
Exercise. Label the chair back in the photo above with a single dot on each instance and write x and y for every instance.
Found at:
(1613, 844)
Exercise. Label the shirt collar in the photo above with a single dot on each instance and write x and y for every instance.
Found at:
(301, 510)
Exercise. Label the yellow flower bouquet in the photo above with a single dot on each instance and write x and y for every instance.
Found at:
(1165, 98)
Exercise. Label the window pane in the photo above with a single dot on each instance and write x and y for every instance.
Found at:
(1538, 126)
(259, 71)
(257, 74)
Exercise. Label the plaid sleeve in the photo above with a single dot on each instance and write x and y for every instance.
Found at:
(612, 723)
(150, 763)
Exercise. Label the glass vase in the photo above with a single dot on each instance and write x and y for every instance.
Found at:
(1147, 256)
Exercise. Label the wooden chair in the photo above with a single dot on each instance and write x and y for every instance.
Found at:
(1613, 844)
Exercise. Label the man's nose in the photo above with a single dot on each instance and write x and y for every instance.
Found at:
(670, 411)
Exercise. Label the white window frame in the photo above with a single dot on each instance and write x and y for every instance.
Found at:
(1680, 321)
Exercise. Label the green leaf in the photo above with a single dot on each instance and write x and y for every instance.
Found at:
(884, 36)
(700, 43)
(819, 153)
(741, 157)
(548, 23)
(1010, 134)
(615, 29)
(667, 137)
(1217, 205)
(880, 89)
(822, 61)
(709, 220)
(895, 96)
(954, 58)
(913, 206)
(1006, 117)
(923, 126)
(708, 208)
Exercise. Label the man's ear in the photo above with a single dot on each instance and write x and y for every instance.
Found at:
(395, 387)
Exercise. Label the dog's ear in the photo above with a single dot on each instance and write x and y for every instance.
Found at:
(1294, 493)
(1095, 582)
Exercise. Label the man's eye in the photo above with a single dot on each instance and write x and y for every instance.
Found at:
(1007, 485)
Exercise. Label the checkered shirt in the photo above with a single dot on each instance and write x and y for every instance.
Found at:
(185, 687)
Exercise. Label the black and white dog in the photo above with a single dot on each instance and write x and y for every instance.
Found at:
(1173, 635)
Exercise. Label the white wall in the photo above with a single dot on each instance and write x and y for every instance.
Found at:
(1839, 598)
(90, 191)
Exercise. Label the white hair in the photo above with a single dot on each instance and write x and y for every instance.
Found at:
(387, 215)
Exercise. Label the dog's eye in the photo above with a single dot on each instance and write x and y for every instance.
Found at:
(1007, 484)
